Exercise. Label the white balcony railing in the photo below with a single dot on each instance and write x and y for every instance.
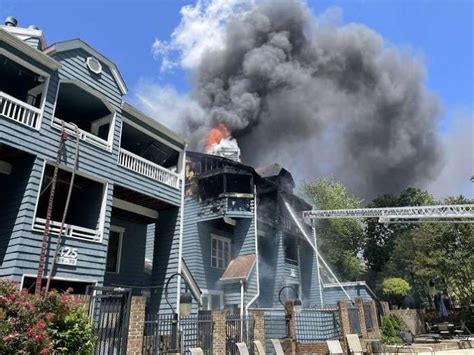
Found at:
(69, 230)
(19, 111)
(85, 136)
(147, 168)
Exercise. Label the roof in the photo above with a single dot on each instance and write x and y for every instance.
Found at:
(77, 43)
(269, 170)
(153, 123)
(23, 47)
(239, 268)
(352, 284)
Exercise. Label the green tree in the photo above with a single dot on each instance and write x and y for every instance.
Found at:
(339, 240)
(395, 289)
(444, 257)
(388, 248)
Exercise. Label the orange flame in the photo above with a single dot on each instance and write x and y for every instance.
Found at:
(216, 135)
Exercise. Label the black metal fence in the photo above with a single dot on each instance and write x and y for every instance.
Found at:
(368, 317)
(239, 330)
(316, 325)
(109, 311)
(164, 334)
(354, 320)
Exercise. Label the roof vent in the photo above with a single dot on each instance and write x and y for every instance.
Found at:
(11, 21)
(33, 27)
(94, 65)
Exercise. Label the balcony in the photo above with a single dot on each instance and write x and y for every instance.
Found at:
(147, 168)
(22, 91)
(229, 204)
(19, 111)
(69, 230)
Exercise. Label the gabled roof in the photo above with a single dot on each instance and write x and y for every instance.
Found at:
(274, 170)
(239, 269)
(77, 43)
(21, 46)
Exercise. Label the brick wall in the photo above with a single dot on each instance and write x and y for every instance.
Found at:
(259, 329)
(313, 348)
(136, 325)
(219, 334)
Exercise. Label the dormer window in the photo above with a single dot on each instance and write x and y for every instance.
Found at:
(78, 105)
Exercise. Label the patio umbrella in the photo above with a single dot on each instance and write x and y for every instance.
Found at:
(443, 312)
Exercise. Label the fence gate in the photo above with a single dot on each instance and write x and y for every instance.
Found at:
(192, 331)
(110, 311)
(239, 329)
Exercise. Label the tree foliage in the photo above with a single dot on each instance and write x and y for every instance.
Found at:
(340, 240)
(395, 289)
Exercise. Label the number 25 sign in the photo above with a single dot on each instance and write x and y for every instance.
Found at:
(67, 256)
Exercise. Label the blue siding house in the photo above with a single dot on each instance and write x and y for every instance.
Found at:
(129, 169)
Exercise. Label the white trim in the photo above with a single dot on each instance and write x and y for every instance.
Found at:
(86, 136)
(26, 49)
(77, 43)
(225, 241)
(320, 281)
(256, 253)
(89, 60)
(134, 208)
(80, 230)
(59, 278)
(120, 231)
(180, 238)
(37, 195)
(151, 134)
(38, 71)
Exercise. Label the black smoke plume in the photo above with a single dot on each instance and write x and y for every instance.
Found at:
(320, 100)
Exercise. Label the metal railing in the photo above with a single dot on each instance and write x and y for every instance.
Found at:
(239, 329)
(368, 316)
(316, 325)
(83, 135)
(69, 230)
(145, 167)
(354, 320)
(196, 330)
(19, 111)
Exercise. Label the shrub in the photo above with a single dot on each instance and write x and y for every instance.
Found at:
(392, 325)
(395, 289)
(57, 323)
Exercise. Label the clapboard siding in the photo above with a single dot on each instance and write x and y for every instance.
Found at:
(19, 244)
(132, 270)
(335, 293)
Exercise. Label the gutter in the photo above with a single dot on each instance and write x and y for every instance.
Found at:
(181, 227)
(256, 252)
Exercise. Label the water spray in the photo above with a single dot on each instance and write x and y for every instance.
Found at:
(300, 227)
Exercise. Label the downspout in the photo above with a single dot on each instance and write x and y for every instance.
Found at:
(241, 309)
(181, 227)
(320, 283)
(256, 251)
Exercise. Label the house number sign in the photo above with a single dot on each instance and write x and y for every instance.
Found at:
(67, 256)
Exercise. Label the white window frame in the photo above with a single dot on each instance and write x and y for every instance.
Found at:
(208, 294)
(225, 241)
(36, 70)
(120, 231)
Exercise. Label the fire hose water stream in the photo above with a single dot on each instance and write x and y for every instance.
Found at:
(300, 227)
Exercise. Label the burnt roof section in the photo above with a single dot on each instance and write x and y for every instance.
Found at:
(239, 268)
(276, 173)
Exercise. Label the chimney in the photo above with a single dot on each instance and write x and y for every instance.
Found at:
(10, 21)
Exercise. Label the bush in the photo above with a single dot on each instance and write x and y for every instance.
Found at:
(395, 289)
(392, 325)
(57, 323)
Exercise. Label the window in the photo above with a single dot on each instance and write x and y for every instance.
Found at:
(220, 251)
(291, 250)
(114, 249)
(212, 300)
